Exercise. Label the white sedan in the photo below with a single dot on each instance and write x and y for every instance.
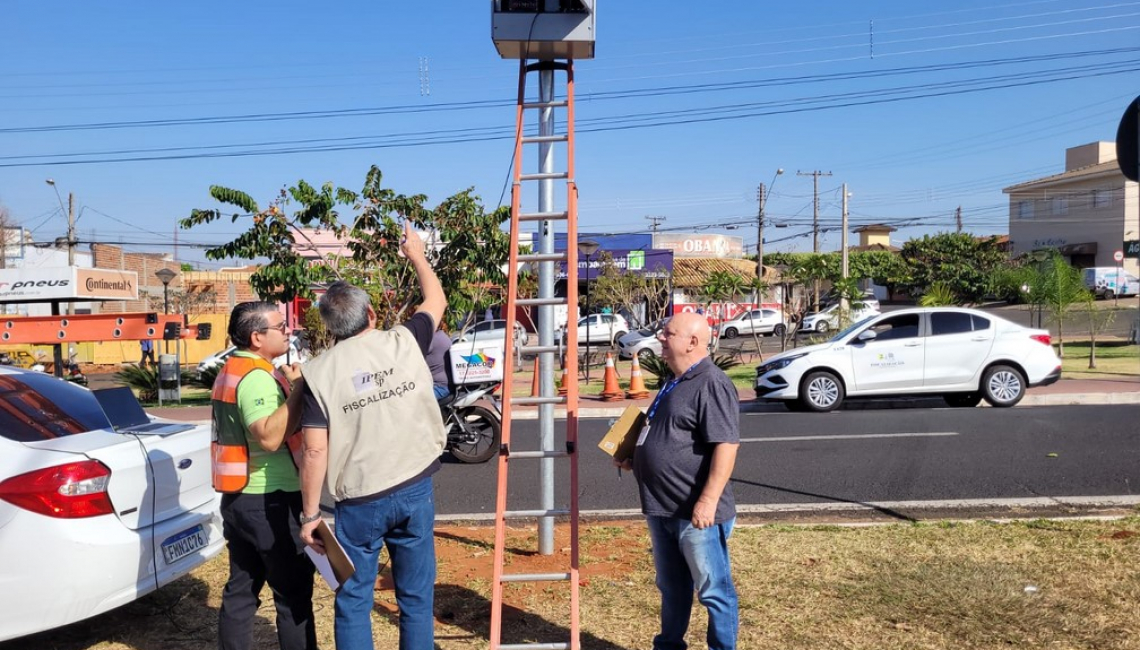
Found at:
(759, 321)
(93, 516)
(963, 355)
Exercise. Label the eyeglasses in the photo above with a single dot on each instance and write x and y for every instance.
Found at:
(280, 327)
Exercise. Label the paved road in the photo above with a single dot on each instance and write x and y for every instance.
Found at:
(865, 456)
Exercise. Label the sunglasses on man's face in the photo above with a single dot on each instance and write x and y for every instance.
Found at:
(280, 327)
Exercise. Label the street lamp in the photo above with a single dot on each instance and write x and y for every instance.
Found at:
(587, 247)
(762, 197)
(166, 275)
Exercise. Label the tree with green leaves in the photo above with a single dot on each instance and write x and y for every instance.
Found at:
(1059, 286)
(961, 262)
(634, 292)
(468, 248)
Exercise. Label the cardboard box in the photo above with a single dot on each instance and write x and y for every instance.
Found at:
(621, 439)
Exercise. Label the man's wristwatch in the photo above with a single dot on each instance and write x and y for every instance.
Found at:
(308, 519)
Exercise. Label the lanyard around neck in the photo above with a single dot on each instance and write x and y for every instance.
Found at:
(668, 389)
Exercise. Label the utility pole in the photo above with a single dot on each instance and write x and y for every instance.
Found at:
(958, 218)
(844, 238)
(70, 229)
(815, 220)
(655, 220)
(760, 234)
(815, 207)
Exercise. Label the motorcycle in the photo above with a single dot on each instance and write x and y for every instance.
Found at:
(474, 430)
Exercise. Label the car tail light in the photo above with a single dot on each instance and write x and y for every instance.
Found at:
(70, 491)
(1043, 338)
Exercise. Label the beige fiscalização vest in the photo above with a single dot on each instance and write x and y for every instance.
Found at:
(384, 423)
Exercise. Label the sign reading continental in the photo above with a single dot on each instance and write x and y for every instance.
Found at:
(67, 284)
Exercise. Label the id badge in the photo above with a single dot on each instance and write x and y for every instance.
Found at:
(643, 435)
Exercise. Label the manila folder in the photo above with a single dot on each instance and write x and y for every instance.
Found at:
(334, 566)
(621, 439)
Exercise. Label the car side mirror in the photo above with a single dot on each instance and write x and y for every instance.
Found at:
(867, 335)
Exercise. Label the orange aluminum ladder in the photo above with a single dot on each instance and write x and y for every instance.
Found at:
(570, 399)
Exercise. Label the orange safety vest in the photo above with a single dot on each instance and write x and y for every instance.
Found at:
(229, 446)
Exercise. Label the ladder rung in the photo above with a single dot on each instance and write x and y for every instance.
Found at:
(536, 513)
(559, 103)
(529, 139)
(534, 646)
(538, 454)
(543, 216)
(538, 349)
(534, 577)
(545, 176)
(533, 401)
(532, 302)
(543, 257)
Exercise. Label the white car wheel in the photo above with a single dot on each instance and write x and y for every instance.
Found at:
(1003, 386)
(822, 326)
(821, 391)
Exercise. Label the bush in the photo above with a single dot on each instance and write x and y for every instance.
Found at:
(659, 369)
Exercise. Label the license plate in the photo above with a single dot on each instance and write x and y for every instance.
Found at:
(179, 546)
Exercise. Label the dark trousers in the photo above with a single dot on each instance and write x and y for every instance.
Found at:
(263, 538)
(146, 354)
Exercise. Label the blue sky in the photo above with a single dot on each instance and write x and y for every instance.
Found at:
(919, 107)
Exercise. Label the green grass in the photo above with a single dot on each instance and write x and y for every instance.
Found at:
(1113, 359)
(925, 586)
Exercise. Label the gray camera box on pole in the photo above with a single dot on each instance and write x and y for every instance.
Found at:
(543, 29)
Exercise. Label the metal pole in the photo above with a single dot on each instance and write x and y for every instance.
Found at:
(70, 239)
(844, 237)
(546, 316)
(588, 256)
(759, 240)
(165, 310)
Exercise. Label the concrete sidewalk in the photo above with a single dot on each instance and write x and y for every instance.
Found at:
(1125, 390)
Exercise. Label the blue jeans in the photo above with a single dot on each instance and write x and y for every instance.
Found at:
(688, 558)
(404, 522)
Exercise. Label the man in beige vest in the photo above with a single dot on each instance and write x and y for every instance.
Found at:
(373, 437)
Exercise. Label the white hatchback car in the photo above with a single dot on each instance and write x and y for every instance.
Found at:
(93, 516)
(963, 355)
(827, 320)
(642, 342)
(759, 321)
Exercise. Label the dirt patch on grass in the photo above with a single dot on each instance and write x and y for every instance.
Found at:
(1057, 584)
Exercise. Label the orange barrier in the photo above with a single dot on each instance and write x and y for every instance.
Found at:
(637, 389)
(611, 391)
(564, 382)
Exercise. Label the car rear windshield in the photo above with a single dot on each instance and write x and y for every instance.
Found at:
(36, 406)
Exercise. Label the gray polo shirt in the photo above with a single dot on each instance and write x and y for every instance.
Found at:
(672, 465)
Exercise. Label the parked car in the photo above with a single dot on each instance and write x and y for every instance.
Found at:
(641, 342)
(92, 517)
(489, 331)
(828, 320)
(600, 328)
(964, 355)
(755, 321)
(298, 353)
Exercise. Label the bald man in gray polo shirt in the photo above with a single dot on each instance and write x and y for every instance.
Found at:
(682, 463)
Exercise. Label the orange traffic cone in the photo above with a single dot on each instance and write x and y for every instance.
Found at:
(563, 382)
(637, 388)
(611, 392)
(534, 381)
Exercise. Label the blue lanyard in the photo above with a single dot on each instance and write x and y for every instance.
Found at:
(666, 390)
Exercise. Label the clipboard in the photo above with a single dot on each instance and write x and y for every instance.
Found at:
(334, 566)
